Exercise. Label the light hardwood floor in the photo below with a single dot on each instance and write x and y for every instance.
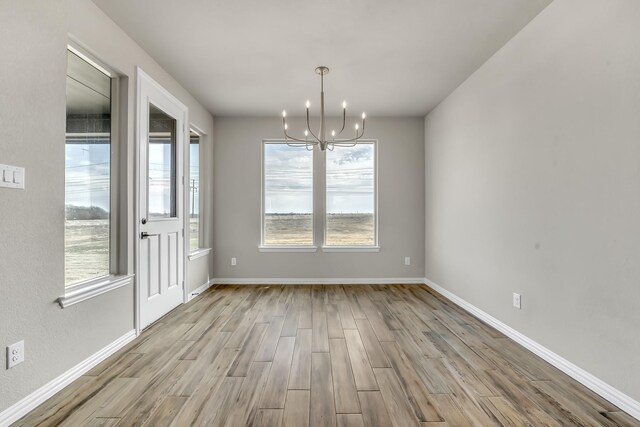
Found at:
(345, 356)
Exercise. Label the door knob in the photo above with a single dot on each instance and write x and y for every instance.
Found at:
(145, 235)
(144, 220)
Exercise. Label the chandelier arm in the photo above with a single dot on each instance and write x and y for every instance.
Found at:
(309, 128)
(352, 139)
(344, 120)
(345, 144)
(304, 141)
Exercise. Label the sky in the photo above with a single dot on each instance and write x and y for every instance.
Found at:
(87, 175)
(289, 179)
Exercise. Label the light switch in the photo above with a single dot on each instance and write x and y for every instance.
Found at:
(12, 177)
(17, 177)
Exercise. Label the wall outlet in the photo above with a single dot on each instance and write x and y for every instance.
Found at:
(517, 303)
(407, 260)
(15, 354)
(234, 261)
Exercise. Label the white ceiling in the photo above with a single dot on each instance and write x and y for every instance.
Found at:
(256, 57)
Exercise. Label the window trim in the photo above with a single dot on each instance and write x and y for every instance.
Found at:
(202, 249)
(285, 248)
(354, 248)
(86, 289)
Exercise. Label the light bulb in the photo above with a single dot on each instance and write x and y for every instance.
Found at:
(285, 126)
(357, 126)
(306, 132)
(344, 105)
(363, 116)
(284, 113)
(333, 133)
(308, 104)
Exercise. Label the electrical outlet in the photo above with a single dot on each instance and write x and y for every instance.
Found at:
(407, 260)
(517, 302)
(15, 354)
(234, 261)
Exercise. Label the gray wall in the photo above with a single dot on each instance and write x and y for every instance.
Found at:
(236, 211)
(532, 186)
(32, 111)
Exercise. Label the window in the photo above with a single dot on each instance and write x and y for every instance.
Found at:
(87, 172)
(194, 191)
(350, 196)
(348, 188)
(161, 157)
(287, 195)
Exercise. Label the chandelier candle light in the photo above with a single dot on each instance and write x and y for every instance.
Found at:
(321, 140)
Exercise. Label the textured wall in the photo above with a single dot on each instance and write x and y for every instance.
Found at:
(532, 186)
(236, 212)
(34, 37)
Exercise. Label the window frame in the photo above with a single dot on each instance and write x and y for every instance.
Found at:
(202, 249)
(85, 289)
(354, 248)
(285, 248)
(319, 176)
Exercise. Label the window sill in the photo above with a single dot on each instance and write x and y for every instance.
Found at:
(84, 291)
(199, 253)
(351, 249)
(287, 248)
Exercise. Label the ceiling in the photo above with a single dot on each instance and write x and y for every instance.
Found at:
(256, 57)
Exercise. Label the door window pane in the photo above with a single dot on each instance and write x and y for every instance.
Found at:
(161, 158)
(288, 195)
(87, 171)
(194, 191)
(351, 196)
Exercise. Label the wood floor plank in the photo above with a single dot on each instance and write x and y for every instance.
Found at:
(267, 348)
(376, 355)
(320, 343)
(268, 418)
(374, 411)
(275, 391)
(300, 376)
(323, 412)
(411, 384)
(334, 325)
(452, 413)
(395, 400)
(102, 422)
(346, 315)
(305, 320)
(344, 386)
(164, 415)
(245, 408)
(241, 365)
(291, 318)
(296, 409)
(350, 420)
(362, 372)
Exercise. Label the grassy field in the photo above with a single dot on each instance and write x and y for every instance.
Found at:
(297, 229)
(87, 241)
(86, 249)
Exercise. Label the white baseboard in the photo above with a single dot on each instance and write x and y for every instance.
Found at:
(194, 293)
(319, 281)
(613, 395)
(22, 407)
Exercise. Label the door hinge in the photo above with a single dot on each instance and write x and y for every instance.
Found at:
(183, 232)
(182, 179)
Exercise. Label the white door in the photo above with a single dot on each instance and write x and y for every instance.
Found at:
(161, 125)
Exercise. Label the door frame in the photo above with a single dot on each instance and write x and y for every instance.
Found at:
(141, 76)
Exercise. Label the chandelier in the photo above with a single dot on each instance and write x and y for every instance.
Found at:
(322, 140)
